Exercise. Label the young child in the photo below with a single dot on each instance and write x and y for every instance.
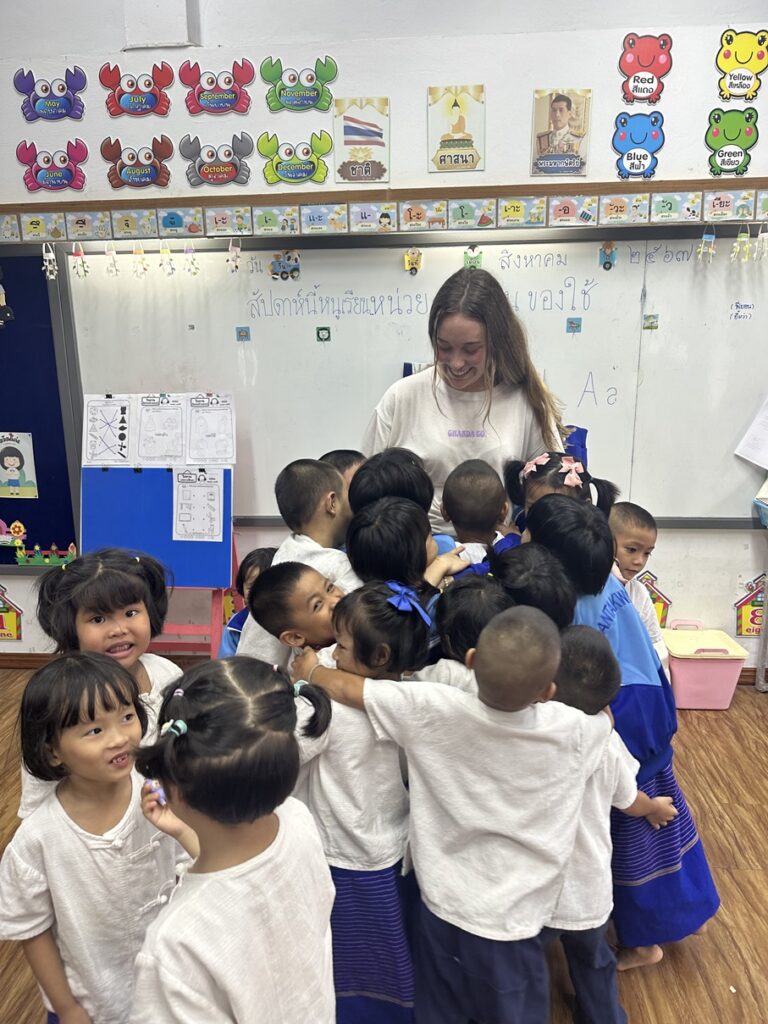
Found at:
(651, 906)
(113, 602)
(295, 604)
(475, 504)
(246, 936)
(589, 678)
(312, 498)
(532, 576)
(488, 857)
(346, 460)
(248, 571)
(461, 614)
(554, 473)
(353, 786)
(396, 473)
(86, 872)
(634, 534)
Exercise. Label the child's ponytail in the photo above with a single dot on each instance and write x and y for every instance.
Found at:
(513, 485)
(606, 494)
(321, 705)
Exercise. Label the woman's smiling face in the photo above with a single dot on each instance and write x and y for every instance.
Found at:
(461, 348)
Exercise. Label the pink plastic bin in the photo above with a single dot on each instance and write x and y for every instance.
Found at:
(704, 665)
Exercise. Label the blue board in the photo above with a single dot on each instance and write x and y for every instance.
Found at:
(129, 509)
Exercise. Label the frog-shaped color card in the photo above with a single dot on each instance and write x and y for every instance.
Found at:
(730, 136)
(742, 59)
(644, 62)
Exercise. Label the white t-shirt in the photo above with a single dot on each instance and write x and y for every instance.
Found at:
(474, 552)
(353, 786)
(255, 641)
(249, 943)
(449, 672)
(100, 893)
(495, 800)
(453, 429)
(160, 672)
(586, 899)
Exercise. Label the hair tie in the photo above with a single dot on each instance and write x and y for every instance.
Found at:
(178, 692)
(175, 725)
(532, 466)
(64, 566)
(404, 599)
(297, 689)
(137, 558)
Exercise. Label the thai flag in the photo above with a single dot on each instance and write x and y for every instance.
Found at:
(362, 133)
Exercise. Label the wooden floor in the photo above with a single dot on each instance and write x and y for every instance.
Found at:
(717, 978)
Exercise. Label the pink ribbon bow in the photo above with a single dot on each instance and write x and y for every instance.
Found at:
(572, 469)
(530, 467)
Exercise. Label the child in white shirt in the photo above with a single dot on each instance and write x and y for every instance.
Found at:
(86, 872)
(475, 504)
(496, 785)
(589, 678)
(246, 936)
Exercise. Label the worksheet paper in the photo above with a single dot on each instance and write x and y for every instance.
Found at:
(198, 505)
(754, 445)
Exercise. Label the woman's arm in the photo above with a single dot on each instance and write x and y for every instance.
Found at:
(45, 962)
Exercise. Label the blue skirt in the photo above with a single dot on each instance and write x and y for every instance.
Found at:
(662, 886)
(372, 967)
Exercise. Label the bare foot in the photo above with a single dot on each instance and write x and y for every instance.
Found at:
(638, 956)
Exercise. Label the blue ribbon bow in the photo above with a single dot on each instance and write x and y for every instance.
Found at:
(405, 600)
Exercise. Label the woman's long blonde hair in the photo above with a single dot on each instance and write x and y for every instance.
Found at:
(478, 295)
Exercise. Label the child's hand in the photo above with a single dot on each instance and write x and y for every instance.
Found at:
(445, 565)
(663, 812)
(505, 529)
(303, 665)
(155, 809)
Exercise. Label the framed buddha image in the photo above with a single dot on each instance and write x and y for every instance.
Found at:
(560, 131)
(456, 127)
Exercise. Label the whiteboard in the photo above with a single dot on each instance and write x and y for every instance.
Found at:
(636, 391)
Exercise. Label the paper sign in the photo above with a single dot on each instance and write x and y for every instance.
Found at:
(9, 228)
(228, 220)
(361, 139)
(134, 223)
(327, 220)
(572, 210)
(181, 220)
(198, 508)
(677, 207)
(43, 227)
(381, 217)
(456, 127)
(625, 209)
(276, 220)
(211, 429)
(17, 465)
(424, 215)
(89, 224)
(472, 213)
(560, 131)
(161, 429)
(729, 205)
(754, 445)
(522, 212)
(108, 427)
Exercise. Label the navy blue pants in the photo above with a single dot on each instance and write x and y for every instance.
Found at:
(592, 967)
(460, 977)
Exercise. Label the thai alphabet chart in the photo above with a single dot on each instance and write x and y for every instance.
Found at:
(197, 504)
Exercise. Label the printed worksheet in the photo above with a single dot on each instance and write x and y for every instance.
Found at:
(198, 507)
(108, 430)
(161, 429)
(210, 429)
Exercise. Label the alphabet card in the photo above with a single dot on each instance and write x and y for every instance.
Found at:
(678, 207)
(729, 204)
(572, 210)
(626, 209)
(472, 213)
(275, 220)
(361, 139)
(43, 227)
(89, 224)
(424, 215)
(522, 212)
(327, 220)
(381, 217)
(456, 127)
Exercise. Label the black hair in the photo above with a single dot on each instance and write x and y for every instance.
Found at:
(300, 488)
(464, 610)
(578, 534)
(343, 459)
(64, 692)
(533, 576)
(271, 593)
(102, 581)
(387, 540)
(393, 473)
(230, 750)
(373, 621)
(625, 515)
(560, 97)
(552, 473)
(473, 497)
(589, 676)
(14, 453)
(259, 558)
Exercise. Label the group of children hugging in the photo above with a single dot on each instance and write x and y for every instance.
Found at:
(419, 761)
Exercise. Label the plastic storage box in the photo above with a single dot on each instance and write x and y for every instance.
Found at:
(704, 665)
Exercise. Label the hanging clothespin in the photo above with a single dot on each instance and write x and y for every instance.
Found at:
(167, 264)
(111, 253)
(6, 313)
(760, 251)
(140, 261)
(706, 248)
(473, 257)
(233, 259)
(741, 245)
(190, 260)
(50, 266)
(79, 262)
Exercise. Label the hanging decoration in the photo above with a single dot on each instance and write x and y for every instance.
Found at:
(706, 249)
(167, 264)
(140, 261)
(50, 266)
(79, 262)
(111, 253)
(191, 264)
(741, 245)
(760, 251)
(233, 257)
(6, 313)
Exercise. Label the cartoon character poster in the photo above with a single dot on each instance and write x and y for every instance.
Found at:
(560, 132)
(456, 127)
(51, 100)
(637, 138)
(730, 136)
(222, 164)
(220, 92)
(53, 171)
(742, 57)
(361, 139)
(294, 163)
(17, 465)
(137, 95)
(294, 90)
(751, 607)
(10, 617)
(644, 62)
(138, 166)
